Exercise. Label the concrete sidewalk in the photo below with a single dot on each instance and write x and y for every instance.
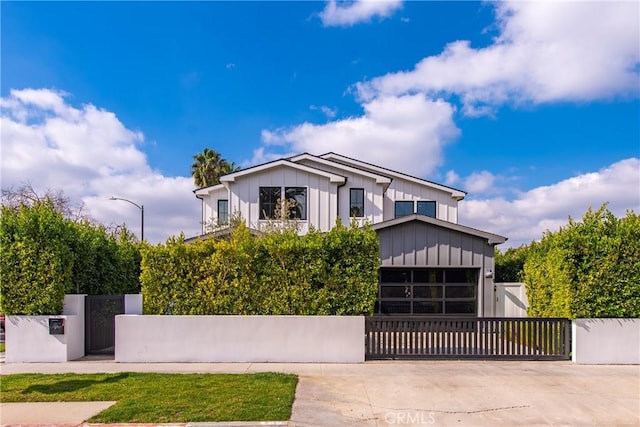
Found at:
(439, 393)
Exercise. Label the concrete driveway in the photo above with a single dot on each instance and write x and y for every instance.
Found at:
(439, 393)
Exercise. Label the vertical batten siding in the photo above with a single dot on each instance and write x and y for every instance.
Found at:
(373, 193)
(321, 196)
(400, 189)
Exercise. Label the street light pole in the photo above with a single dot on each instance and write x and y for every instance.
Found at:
(141, 207)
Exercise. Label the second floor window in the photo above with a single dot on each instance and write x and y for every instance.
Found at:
(272, 203)
(297, 200)
(403, 208)
(269, 199)
(356, 202)
(223, 212)
(427, 208)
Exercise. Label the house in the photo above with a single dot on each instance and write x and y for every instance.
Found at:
(430, 265)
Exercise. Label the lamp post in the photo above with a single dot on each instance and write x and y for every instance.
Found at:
(141, 207)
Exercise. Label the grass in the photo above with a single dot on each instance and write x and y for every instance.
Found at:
(162, 398)
(1, 347)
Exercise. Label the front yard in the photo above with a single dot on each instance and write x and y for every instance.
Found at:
(163, 398)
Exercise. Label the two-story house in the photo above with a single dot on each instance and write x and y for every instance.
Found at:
(430, 265)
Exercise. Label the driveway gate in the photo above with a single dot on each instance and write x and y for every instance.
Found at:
(100, 315)
(395, 337)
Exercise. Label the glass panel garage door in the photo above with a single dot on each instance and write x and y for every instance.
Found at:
(428, 291)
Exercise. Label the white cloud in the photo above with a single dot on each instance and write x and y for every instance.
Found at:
(405, 133)
(533, 212)
(357, 11)
(479, 182)
(451, 178)
(327, 111)
(545, 52)
(90, 155)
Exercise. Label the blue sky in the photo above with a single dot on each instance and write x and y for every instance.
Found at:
(533, 108)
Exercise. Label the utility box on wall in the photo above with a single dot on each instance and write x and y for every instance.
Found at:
(56, 326)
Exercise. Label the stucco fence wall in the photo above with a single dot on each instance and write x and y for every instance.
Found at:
(28, 338)
(606, 341)
(321, 339)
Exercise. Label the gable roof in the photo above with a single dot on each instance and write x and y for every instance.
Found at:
(286, 163)
(494, 239)
(455, 193)
(206, 190)
(380, 179)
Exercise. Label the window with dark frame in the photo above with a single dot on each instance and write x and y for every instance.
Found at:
(427, 208)
(356, 202)
(297, 197)
(428, 291)
(403, 208)
(223, 211)
(269, 199)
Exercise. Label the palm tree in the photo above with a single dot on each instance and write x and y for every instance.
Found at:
(209, 166)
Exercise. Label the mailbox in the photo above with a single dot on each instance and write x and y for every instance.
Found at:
(56, 326)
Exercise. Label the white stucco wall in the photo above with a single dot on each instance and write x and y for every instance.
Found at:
(133, 304)
(606, 341)
(322, 339)
(28, 338)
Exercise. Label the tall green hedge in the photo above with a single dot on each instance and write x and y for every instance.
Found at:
(586, 269)
(45, 255)
(36, 259)
(276, 273)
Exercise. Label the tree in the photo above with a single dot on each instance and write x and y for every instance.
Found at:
(510, 264)
(209, 166)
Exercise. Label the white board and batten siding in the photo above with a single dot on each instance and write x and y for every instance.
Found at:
(210, 204)
(321, 196)
(373, 193)
(405, 190)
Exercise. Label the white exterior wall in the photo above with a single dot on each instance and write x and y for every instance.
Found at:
(28, 338)
(405, 190)
(286, 339)
(606, 341)
(321, 196)
(373, 194)
(210, 206)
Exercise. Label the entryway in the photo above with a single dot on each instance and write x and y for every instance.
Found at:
(100, 315)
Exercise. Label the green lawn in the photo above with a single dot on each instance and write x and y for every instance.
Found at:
(162, 398)
(1, 347)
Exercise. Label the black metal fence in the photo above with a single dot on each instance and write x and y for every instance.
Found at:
(395, 337)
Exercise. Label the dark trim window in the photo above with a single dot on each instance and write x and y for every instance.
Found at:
(403, 208)
(223, 211)
(269, 199)
(297, 196)
(356, 202)
(427, 208)
(424, 291)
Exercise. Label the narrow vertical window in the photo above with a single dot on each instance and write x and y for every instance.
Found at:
(269, 199)
(356, 202)
(297, 199)
(427, 208)
(403, 208)
(223, 211)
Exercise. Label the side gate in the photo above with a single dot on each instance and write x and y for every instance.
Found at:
(395, 337)
(100, 322)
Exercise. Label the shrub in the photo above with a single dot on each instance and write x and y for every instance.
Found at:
(278, 272)
(586, 269)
